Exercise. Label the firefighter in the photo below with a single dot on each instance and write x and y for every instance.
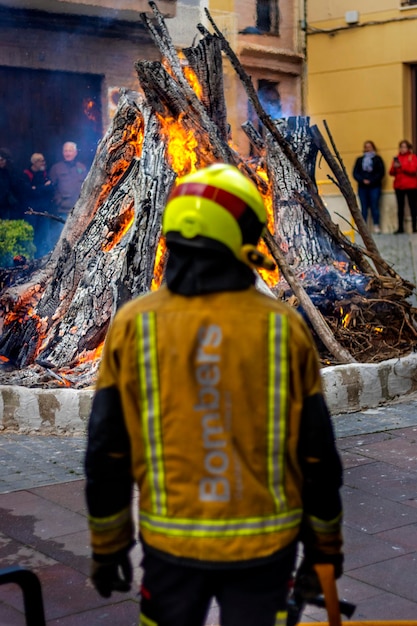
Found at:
(209, 399)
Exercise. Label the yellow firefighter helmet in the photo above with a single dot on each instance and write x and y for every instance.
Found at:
(217, 204)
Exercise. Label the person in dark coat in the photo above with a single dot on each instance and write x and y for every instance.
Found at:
(38, 195)
(369, 172)
(9, 188)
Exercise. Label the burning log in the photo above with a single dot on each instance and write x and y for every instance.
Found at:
(56, 314)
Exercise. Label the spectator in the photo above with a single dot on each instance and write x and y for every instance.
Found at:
(9, 188)
(404, 170)
(369, 172)
(38, 195)
(67, 177)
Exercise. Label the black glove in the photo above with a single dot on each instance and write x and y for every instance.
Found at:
(111, 573)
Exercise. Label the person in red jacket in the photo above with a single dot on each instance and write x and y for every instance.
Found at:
(404, 170)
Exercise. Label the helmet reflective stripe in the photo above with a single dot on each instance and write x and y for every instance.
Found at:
(236, 206)
(151, 409)
(277, 405)
(220, 528)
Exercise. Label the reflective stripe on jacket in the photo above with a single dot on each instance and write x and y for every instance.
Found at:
(212, 390)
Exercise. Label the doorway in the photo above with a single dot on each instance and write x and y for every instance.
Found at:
(41, 109)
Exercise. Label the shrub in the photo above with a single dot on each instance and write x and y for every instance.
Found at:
(16, 238)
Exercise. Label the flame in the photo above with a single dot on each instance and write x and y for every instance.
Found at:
(98, 351)
(87, 356)
(90, 109)
(159, 264)
(90, 355)
(346, 319)
(23, 312)
(189, 73)
(193, 81)
(132, 139)
(270, 278)
(182, 156)
(181, 145)
(342, 266)
(116, 233)
(345, 267)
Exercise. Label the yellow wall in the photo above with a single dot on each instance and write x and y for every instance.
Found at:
(321, 10)
(222, 5)
(359, 78)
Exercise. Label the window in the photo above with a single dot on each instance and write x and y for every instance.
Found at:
(267, 16)
(407, 3)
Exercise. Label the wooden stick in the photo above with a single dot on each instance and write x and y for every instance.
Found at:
(30, 211)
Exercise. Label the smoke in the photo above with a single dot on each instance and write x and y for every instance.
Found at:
(290, 106)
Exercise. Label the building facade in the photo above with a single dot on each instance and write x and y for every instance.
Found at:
(362, 79)
(265, 34)
(63, 62)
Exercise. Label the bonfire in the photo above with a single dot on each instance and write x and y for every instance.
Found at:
(56, 311)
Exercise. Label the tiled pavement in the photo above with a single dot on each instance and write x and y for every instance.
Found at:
(43, 523)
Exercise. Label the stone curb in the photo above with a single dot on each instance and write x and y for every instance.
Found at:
(348, 388)
(360, 386)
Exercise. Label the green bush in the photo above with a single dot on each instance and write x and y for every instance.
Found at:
(16, 237)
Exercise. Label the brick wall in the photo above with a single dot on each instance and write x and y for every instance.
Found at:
(73, 44)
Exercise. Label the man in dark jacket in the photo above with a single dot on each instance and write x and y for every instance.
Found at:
(38, 195)
(209, 399)
(67, 177)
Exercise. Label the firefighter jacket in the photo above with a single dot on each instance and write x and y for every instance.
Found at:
(212, 405)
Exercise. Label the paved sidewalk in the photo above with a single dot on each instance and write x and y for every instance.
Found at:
(400, 251)
(43, 523)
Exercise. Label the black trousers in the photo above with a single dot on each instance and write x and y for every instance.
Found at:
(177, 595)
(412, 203)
